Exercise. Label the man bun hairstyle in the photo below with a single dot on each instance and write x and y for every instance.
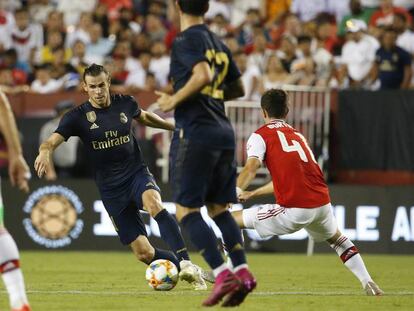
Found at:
(275, 103)
(94, 70)
(193, 7)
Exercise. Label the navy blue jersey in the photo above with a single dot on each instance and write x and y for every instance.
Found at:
(391, 66)
(108, 139)
(202, 118)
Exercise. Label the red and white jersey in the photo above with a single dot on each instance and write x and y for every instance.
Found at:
(297, 179)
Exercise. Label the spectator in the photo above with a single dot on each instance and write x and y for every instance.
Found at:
(326, 35)
(81, 31)
(114, 6)
(98, 47)
(260, 53)
(140, 43)
(151, 84)
(26, 38)
(338, 8)
(384, 16)
(63, 71)
(274, 10)
(232, 44)
(123, 48)
(79, 59)
(357, 12)
(287, 52)
(246, 34)
(100, 16)
(137, 78)
(8, 83)
(44, 83)
(405, 38)
(72, 9)
(220, 26)
(240, 10)
(307, 10)
(65, 156)
(54, 23)
(39, 10)
(54, 41)
(217, 7)
(155, 28)
(160, 63)
(20, 69)
(393, 63)
(358, 54)
(275, 76)
(250, 77)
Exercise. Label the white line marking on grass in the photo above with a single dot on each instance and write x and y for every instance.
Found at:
(198, 293)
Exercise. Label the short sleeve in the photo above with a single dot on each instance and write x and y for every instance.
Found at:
(135, 109)
(190, 50)
(67, 125)
(256, 147)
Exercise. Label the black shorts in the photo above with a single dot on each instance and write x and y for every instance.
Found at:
(200, 175)
(124, 206)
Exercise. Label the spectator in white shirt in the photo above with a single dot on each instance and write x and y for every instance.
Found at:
(44, 84)
(250, 77)
(160, 63)
(72, 9)
(358, 54)
(26, 38)
(307, 10)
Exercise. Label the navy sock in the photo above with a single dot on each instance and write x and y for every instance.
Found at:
(203, 239)
(171, 234)
(232, 237)
(164, 254)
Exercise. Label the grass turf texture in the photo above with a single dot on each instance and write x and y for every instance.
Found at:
(79, 281)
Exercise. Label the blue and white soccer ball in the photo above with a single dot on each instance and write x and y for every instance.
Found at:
(162, 274)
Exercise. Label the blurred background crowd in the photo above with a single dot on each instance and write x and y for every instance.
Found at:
(363, 44)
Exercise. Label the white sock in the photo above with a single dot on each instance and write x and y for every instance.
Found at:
(11, 273)
(220, 269)
(351, 258)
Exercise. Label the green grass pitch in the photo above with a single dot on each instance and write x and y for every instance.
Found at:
(78, 281)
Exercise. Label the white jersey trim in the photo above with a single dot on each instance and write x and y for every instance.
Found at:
(256, 147)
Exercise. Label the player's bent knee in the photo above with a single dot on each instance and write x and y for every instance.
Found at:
(216, 209)
(334, 237)
(238, 217)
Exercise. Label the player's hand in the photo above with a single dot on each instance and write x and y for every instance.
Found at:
(19, 172)
(245, 195)
(165, 101)
(42, 163)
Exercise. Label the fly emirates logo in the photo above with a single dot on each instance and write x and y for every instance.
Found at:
(111, 140)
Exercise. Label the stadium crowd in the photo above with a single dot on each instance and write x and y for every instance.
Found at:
(367, 44)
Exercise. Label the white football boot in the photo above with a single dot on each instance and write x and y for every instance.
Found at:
(372, 289)
(192, 274)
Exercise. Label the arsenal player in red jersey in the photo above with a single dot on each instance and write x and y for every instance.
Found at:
(301, 193)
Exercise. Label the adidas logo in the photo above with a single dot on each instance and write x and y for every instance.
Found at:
(150, 184)
(94, 126)
(8, 267)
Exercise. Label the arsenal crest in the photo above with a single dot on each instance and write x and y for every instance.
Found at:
(123, 117)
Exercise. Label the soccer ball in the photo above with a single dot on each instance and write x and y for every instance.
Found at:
(162, 274)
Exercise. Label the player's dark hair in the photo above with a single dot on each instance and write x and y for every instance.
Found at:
(193, 7)
(94, 70)
(275, 103)
(304, 39)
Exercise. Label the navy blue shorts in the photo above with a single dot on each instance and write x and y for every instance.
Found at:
(124, 205)
(200, 175)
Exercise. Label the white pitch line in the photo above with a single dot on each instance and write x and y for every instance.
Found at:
(201, 293)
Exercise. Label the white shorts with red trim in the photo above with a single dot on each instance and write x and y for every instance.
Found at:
(273, 219)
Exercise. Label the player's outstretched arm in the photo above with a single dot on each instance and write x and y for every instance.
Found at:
(248, 173)
(153, 120)
(201, 76)
(18, 169)
(46, 149)
(263, 190)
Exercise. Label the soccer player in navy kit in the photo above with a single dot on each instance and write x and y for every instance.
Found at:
(103, 123)
(202, 164)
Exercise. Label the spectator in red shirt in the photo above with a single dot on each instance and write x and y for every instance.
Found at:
(384, 16)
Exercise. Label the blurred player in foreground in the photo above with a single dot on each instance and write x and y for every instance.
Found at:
(298, 184)
(202, 166)
(103, 123)
(19, 173)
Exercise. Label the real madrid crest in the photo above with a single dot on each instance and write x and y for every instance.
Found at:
(123, 117)
(91, 116)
